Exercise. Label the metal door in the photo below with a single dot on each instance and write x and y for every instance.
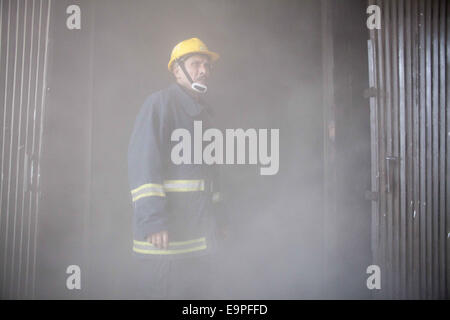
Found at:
(24, 27)
(410, 136)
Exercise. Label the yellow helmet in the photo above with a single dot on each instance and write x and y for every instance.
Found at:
(193, 45)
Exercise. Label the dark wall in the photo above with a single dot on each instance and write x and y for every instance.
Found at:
(66, 156)
(352, 222)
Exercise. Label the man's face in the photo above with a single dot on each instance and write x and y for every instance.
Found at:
(198, 66)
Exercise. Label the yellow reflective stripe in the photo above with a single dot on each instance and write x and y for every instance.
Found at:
(148, 194)
(183, 189)
(169, 251)
(154, 189)
(184, 185)
(180, 247)
(147, 190)
(183, 181)
(148, 185)
(174, 243)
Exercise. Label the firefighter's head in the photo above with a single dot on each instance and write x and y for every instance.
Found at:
(198, 66)
(191, 63)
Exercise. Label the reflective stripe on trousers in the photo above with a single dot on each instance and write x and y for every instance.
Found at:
(173, 247)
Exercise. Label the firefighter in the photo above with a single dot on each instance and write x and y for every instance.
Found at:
(177, 207)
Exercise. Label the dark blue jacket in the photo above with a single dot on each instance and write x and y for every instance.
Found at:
(178, 198)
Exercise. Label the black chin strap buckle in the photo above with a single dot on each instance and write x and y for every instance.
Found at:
(180, 62)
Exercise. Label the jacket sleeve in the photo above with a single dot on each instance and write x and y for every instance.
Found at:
(146, 171)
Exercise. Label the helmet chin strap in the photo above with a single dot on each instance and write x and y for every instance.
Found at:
(198, 87)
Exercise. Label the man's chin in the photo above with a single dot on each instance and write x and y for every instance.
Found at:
(203, 82)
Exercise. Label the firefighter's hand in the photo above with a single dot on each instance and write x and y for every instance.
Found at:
(159, 240)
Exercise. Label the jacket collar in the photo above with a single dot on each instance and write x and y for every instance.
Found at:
(192, 107)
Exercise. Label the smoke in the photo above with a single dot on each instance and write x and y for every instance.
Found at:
(269, 76)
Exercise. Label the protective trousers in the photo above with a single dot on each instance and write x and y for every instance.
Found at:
(176, 279)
